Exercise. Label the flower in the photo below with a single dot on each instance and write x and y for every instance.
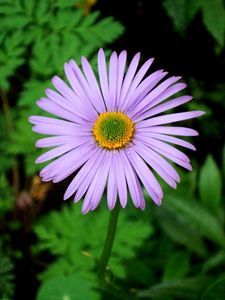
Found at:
(111, 132)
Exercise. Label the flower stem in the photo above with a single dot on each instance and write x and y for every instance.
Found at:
(111, 230)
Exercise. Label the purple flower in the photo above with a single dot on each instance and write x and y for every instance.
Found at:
(110, 130)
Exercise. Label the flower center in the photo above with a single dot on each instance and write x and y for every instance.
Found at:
(113, 130)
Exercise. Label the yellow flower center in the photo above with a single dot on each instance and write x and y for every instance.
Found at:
(113, 130)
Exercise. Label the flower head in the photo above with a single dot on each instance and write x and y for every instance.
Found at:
(111, 132)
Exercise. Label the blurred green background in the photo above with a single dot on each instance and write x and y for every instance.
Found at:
(48, 250)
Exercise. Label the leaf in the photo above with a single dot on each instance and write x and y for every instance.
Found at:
(223, 164)
(180, 230)
(214, 18)
(179, 289)
(72, 287)
(210, 185)
(181, 12)
(205, 222)
(214, 261)
(215, 290)
(57, 234)
(177, 266)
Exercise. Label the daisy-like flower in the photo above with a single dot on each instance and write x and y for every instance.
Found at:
(111, 132)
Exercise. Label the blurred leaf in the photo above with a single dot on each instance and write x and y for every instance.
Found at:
(182, 12)
(179, 289)
(6, 277)
(210, 185)
(72, 287)
(215, 290)
(214, 261)
(214, 18)
(223, 164)
(198, 216)
(177, 266)
(180, 230)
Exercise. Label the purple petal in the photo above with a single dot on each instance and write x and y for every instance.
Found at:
(101, 181)
(79, 83)
(93, 84)
(138, 77)
(165, 147)
(160, 160)
(148, 179)
(52, 141)
(143, 152)
(77, 108)
(163, 107)
(112, 185)
(128, 78)
(56, 110)
(180, 131)
(103, 77)
(142, 106)
(113, 71)
(82, 185)
(121, 181)
(132, 182)
(68, 163)
(121, 67)
(97, 186)
(91, 164)
(143, 89)
(59, 150)
(170, 118)
(171, 90)
(172, 140)
(179, 162)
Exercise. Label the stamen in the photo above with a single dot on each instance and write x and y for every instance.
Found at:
(113, 130)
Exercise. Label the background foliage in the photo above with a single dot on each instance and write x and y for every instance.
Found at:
(48, 250)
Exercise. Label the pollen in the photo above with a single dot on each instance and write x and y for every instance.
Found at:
(113, 130)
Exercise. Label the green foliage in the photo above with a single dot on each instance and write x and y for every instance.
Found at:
(177, 266)
(72, 287)
(6, 197)
(214, 19)
(179, 289)
(182, 13)
(210, 185)
(6, 278)
(39, 37)
(76, 240)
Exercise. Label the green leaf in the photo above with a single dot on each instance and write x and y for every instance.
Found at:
(215, 290)
(214, 261)
(72, 287)
(223, 163)
(214, 18)
(179, 289)
(204, 222)
(177, 266)
(58, 232)
(180, 230)
(210, 185)
(181, 12)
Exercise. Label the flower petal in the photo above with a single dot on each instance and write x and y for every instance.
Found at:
(121, 181)
(143, 89)
(103, 77)
(113, 73)
(162, 107)
(148, 179)
(112, 185)
(93, 84)
(132, 182)
(170, 118)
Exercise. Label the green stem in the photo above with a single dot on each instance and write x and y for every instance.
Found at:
(108, 243)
